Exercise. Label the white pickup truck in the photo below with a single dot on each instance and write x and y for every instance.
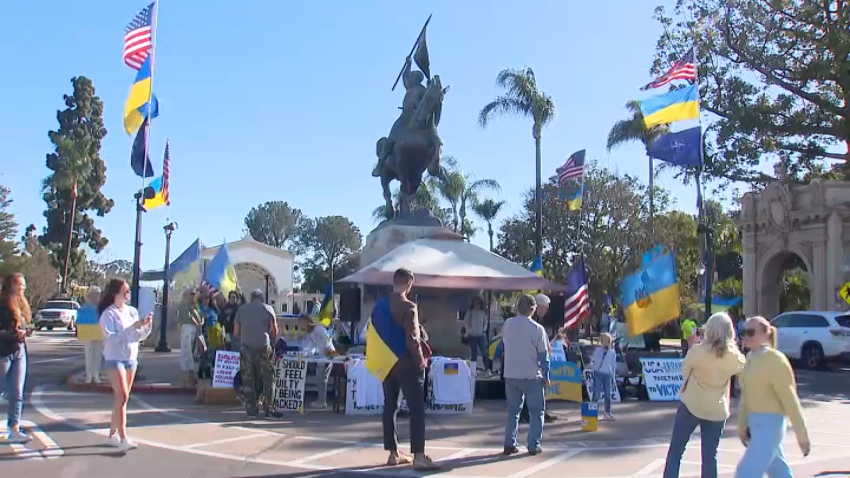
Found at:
(57, 313)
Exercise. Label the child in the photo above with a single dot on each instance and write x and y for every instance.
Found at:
(604, 366)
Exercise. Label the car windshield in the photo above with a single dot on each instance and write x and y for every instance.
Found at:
(59, 305)
(843, 320)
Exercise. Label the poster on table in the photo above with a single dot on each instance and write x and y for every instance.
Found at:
(225, 368)
(663, 378)
(564, 382)
(587, 374)
(88, 325)
(290, 378)
(364, 393)
(451, 387)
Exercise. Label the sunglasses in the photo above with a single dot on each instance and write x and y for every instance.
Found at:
(749, 332)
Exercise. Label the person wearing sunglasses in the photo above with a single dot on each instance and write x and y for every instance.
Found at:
(769, 395)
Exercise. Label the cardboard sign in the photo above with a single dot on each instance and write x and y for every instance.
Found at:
(663, 378)
(588, 383)
(290, 379)
(225, 368)
(88, 326)
(564, 382)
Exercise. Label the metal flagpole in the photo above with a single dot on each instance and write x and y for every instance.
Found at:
(707, 255)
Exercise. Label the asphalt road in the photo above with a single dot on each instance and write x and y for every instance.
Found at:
(181, 439)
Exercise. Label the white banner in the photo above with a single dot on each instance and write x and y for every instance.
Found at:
(290, 378)
(587, 376)
(225, 368)
(663, 378)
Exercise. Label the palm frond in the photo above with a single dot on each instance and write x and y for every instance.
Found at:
(502, 106)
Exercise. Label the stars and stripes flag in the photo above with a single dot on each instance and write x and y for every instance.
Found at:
(138, 38)
(166, 173)
(577, 303)
(684, 69)
(573, 168)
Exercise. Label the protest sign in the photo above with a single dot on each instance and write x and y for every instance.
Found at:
(225, 368)
(564, 382)
(290, 378)
(663, 378)
(588, 383)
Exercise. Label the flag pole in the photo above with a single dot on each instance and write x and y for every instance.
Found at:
(707, 255)
(140, 196)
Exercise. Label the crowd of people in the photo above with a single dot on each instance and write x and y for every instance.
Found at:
(713, 358)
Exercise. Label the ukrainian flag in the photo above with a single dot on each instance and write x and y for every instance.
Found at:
(88, 323)
(574, 200)
(537, 266)
(159, 195)
(138, 105)
(496, 347)
(326, 311)
(382, 352)
(220, 273)
(186, 269)
(677, 105)
(650, 296)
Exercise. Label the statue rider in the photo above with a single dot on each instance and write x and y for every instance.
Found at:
(414, 92)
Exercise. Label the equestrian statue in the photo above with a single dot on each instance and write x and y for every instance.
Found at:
(413, 145)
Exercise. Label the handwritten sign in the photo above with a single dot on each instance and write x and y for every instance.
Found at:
(364, 392)
(88, 326)
(564, 382)
(588, 383)
(290, 378)
(663, 378)
(225, 368)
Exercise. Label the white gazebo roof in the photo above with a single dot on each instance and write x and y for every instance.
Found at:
(451, 264)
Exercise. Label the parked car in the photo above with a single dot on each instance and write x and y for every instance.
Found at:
(814, 338)
(57, 313)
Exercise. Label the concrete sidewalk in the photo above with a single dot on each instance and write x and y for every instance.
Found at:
(158, 373)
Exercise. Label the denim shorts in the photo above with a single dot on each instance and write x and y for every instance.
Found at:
(120, 364)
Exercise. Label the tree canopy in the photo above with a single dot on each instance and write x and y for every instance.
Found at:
(776, 76)
(9, 259)
(330, 241)
(76, 161)
(274, 223)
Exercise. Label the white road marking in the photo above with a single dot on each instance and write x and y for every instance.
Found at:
(51, 449)
(61, 359)
(325, 454)
(227, 440)
(460, 454)
(546, 464)
(699, 463)
(25, 453)
(650, 468)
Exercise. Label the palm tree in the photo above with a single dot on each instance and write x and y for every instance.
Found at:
(488, 210)
(634, 129)
(460, 189)
(522, 97)
(425, 199)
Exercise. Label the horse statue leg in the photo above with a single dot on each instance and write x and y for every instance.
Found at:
(404, 196)
(388, 197)
(434, 167)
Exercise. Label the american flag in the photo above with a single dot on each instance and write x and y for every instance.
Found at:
(138, 38)
(166, 172)
(573, 168)
(684, 69)
(577, 303)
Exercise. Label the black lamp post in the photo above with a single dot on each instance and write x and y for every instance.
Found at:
(707, 265)
(162, 346)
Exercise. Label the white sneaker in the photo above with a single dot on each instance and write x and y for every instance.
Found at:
(319, 405)
(610, 417)
(113, 441)
(128, 444)
(18, 437)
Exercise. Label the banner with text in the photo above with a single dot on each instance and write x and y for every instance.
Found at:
(564, 382)
(225, 368)
(663, 378)
(290, 379)
(587, 374)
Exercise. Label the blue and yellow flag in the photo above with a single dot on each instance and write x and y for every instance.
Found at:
(220, 275)
(650, 296)
(326, 311)
(384, 340)
(139, 101)
(495, 348)
(537, 266)
(573, 200)
(186, 269)
(160, 185)
(677, 105)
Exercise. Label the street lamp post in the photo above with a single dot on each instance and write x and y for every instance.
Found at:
(162, 346)
(707, 265)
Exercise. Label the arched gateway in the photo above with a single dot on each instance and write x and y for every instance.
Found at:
(807, 225)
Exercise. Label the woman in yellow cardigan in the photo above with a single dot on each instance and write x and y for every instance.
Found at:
(769, 395)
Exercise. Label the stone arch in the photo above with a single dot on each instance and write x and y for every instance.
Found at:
(253, 276)
(769, 277)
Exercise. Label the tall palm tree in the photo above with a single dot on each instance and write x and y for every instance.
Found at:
(488, 209)
(634, 129)
(523, 97)
(460, 189)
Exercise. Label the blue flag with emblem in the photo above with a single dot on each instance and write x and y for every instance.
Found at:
(682, 148)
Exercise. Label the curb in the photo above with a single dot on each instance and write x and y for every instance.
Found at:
(77, 386)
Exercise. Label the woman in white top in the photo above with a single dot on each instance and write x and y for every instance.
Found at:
(122, 332)
(604, 366)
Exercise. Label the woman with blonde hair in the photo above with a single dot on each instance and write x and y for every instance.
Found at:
(769, 395)
(191, 320)
(707, 370)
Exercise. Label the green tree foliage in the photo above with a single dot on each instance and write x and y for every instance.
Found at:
(775, 74)
(9, 259)
(521, 97)
(274, 223)
(487, 210)
(76, 160)
(330, 241)
(426, 198)
(316, 278)
(460, 190)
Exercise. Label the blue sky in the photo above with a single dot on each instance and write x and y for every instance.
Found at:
(285, 100)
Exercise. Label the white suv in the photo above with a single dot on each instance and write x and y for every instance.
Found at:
(57, 313)
(813, 337)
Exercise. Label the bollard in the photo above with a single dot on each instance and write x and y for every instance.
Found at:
(589, 416)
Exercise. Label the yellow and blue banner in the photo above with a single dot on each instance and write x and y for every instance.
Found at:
(384, 341)
(573, 200)
(220, 275)
(141, 103)
(325, 316)
(589, 416)
(88, 323)
(537, 266)
(564, 382)
(186, 269)
(451, 369)
(677, 105)
(495, 348)
(650, 296)
(160, 185)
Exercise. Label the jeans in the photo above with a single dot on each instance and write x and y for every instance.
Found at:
(14, 374)
(120, 364)
(408, 379)
(710, 432)
(602, 383)
(517, 392)
(479, 343)
(764, 452)
(322, 372)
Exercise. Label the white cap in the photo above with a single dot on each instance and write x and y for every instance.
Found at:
(542, 300)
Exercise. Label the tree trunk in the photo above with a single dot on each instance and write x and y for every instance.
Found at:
(538, 198)
(490, 233)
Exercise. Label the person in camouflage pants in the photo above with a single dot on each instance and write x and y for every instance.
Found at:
(257, 366)
(255, 327)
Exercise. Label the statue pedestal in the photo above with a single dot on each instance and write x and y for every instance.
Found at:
(391, 234)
